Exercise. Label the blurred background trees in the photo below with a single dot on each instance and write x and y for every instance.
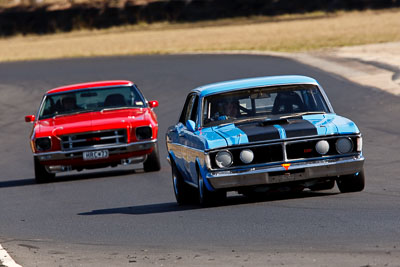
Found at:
(49, 16)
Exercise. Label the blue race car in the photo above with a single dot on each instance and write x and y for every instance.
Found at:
(260, 134)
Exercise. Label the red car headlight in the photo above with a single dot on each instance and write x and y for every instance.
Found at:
(144, 132)
(43, 143)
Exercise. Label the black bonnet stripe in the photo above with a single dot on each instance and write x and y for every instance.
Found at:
(297, 128)
(257, 132)
(294, 128)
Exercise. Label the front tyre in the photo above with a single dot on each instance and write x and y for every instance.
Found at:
(41, 174)
(184, 193)
(152, 162)
(351, 183)
(206, 197)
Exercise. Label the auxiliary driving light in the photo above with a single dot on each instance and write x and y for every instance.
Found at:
(322, 147)
(246, 156)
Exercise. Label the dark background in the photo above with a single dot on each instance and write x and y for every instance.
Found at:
(43, 19)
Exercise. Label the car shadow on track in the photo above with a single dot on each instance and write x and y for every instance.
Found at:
(71, 177)
(17, 183)
(230, 201)
(143, 209)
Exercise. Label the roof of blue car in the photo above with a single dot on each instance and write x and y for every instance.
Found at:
(252, 83)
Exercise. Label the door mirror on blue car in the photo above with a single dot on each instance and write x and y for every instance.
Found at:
(190, 125)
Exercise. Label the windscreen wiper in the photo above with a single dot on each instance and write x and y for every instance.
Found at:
(115, 108)
(302, 114)
(72, 113)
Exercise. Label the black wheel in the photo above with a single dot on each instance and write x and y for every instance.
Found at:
(206, 197)
(184, 193)
(326, 185)
(41, 174)
(351, 183)
(152, 162)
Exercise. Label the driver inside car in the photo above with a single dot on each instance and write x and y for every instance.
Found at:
(229, 109)
(68, 103)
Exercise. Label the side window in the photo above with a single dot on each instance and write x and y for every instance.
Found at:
(187, 108)
(193, 113)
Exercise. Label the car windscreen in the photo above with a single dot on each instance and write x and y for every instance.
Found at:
(263, 104)
(88, 100)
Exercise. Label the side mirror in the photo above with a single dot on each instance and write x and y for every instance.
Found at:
(191, 125)
(30, 118)
(153, 103)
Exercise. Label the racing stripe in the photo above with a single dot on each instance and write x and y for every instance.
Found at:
(298, 128)
(256, 132)
(282, 131)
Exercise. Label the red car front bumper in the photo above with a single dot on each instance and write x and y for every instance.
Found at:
(58, 161)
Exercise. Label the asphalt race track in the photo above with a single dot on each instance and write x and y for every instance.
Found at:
(118, 210)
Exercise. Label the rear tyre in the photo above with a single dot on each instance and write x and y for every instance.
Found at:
(206, 197)
(41, 174)
(152, 162)
(351, 183)
(184, 193)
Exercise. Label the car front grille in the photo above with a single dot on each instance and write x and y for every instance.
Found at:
(93, 139)
(306, 149)
(282, 151)
(262, 154)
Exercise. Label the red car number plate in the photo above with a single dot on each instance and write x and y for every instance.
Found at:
(99, 154)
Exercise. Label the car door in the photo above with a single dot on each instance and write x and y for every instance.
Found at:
(179, 136)
(194, 147)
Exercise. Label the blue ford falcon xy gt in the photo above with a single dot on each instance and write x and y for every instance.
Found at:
(259, 134)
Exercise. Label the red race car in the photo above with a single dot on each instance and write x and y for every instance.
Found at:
(93, 125)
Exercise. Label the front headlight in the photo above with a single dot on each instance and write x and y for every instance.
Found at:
(344, 145)
(43, 143)
(144, 132)
(224, 159)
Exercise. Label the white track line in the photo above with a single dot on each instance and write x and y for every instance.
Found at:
(6, 260)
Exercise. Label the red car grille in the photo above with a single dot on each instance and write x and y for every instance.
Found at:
(93, 139)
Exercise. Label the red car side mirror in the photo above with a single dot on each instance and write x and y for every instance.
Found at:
(30, 118)
(153, 103)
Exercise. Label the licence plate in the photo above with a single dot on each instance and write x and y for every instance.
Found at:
(99, 154)
(287, 177)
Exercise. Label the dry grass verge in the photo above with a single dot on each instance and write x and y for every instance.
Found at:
(284, 33)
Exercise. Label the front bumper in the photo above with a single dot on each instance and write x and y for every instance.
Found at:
(119, 151)
(275, 174)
